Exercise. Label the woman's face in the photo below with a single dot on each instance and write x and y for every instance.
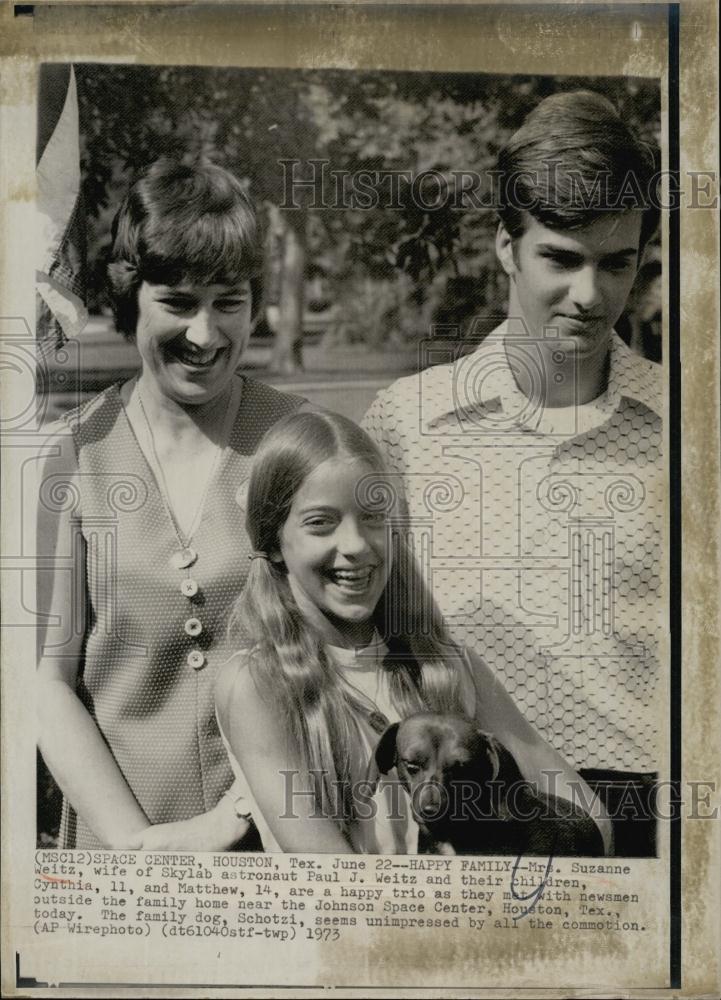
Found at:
(191, 337)
(335, 551)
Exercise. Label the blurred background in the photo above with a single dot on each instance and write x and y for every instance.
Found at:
(352, 288)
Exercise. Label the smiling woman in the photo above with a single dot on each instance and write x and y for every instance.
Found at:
(152, 469)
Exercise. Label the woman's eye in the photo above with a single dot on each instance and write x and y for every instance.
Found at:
(178, 305)
(231, 305)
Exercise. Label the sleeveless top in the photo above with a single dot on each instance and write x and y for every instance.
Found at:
(151, 653)
(391, 829)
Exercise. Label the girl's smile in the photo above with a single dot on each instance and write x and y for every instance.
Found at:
(335, 551)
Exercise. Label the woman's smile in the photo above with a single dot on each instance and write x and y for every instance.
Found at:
(192, 357)
(191, 337)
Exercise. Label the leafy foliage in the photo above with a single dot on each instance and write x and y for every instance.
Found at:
(407, 136)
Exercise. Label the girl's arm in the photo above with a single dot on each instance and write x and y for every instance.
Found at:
(70, 742)
(539, 763)
(282, 788)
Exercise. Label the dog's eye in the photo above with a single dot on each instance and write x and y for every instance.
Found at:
(411, 767)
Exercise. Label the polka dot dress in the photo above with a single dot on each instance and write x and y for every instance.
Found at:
(540, 535)
(156, 631)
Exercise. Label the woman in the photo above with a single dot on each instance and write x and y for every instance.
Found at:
(140, 503)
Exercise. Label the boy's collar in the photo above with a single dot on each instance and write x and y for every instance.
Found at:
(629, 376)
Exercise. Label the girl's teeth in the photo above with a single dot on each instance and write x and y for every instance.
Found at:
(352, 577)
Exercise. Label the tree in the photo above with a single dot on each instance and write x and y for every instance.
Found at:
(337, 127)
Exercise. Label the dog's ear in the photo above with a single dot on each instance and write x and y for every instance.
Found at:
(385, 752)
(504, 763)
(489, 748)
(383, 757)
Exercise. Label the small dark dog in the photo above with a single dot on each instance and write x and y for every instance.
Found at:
(469, 797)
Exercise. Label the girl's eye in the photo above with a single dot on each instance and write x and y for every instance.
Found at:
(318, 523)
(375, 517)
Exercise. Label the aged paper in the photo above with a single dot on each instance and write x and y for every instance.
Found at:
(93, 922)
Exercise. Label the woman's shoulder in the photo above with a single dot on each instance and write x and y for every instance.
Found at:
(102, 406)
(273, 401)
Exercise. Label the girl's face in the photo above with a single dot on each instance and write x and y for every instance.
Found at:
(191, 337)
(335, 552)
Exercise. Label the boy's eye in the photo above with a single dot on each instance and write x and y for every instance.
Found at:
(562, 260)
(617, 263)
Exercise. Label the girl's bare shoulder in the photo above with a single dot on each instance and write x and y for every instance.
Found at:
(237, 687)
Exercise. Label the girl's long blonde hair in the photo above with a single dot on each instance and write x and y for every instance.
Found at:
(319, 712)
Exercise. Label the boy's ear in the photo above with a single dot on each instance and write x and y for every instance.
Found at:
(504, 250)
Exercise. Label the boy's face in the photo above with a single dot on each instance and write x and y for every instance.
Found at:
(575, 282)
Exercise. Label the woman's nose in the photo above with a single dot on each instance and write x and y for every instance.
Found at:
(585, 289)
(202, 329)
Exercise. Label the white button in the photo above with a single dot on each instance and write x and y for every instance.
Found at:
(189, 587)
(196, 659)
(193, 626)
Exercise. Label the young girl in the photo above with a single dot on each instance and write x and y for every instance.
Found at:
(302, 708)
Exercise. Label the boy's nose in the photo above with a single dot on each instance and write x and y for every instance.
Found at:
(585, 289)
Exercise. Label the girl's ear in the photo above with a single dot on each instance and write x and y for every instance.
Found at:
(504, 250)
(275, 556)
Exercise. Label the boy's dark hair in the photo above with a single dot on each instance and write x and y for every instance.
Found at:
(181, 223)
(572, 160)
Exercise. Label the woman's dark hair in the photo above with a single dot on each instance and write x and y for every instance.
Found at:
(572, 160)
(181, 223)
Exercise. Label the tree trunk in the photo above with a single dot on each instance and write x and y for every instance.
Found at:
(288, 348)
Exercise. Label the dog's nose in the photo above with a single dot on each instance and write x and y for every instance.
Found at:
(429, 801)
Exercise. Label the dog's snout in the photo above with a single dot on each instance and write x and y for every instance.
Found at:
(429, 800)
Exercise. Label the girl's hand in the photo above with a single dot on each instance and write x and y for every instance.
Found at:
(216, 830)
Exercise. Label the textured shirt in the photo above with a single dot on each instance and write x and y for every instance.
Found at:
(540, 534)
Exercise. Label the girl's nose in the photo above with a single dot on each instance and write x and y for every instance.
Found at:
(351, 539)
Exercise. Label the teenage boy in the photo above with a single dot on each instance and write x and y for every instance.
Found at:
(532, 466)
